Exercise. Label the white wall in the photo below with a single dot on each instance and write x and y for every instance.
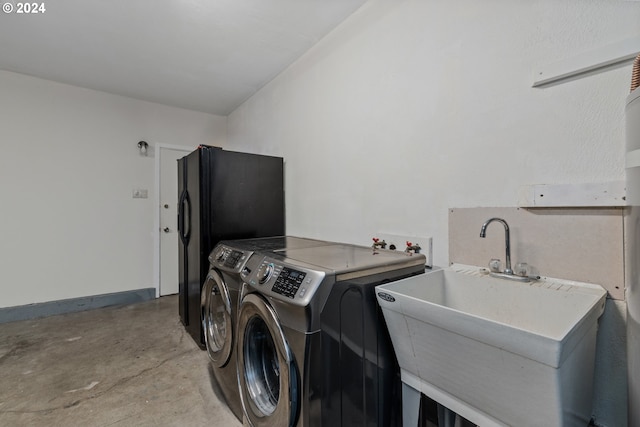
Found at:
(413, 107)
(69, 226)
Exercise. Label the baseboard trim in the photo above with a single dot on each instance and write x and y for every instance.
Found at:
(52, 308)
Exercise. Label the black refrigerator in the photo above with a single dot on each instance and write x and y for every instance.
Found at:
(223, 195)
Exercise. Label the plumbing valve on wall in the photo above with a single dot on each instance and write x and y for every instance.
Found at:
(412, 248)
(408, 244)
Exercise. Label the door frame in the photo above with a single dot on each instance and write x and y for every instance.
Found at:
(156, 221)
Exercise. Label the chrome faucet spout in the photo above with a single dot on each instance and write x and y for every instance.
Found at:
(507, 241)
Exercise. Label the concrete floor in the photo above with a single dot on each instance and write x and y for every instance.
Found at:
(118, 366)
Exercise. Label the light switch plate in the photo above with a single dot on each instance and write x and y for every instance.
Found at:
(140, 193)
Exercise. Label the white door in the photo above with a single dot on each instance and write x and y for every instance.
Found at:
(169, 218)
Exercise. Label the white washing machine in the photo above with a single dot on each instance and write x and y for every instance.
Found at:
(312, 348)
(219, 304)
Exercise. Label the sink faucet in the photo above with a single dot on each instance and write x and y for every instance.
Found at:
(507, 241)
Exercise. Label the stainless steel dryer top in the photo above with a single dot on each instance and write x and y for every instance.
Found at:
(294, 276)
(275, 243)
(231, 255)
(342, 259)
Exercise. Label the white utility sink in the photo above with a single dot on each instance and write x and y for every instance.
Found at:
(498, 352)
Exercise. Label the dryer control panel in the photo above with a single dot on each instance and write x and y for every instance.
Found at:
(228, 259)
(293, 284)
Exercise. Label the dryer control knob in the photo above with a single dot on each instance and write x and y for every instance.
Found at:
(264, 272)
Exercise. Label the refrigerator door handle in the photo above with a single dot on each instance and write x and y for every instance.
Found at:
(185, 201)
(187, 230)
(180, 213)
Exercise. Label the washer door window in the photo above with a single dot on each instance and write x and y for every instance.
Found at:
(267, 374)
(216, 319)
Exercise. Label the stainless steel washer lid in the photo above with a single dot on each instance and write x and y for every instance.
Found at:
(344, 258)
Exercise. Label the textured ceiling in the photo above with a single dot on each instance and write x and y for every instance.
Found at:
(204, 55)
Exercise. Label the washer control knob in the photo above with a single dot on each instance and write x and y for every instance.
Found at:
(264, 272)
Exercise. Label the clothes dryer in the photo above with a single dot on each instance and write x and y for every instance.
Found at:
(219, 304)
(312, 348)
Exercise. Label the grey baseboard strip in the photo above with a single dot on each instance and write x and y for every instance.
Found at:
(32, 311)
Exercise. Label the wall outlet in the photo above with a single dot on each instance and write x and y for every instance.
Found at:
(140, 193)
(399, 243)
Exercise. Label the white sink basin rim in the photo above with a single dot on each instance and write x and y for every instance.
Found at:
(540, 320)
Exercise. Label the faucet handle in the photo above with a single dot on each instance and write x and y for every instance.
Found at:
(412, 248)
(495, 265)
(377, 244)
(522, 269)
